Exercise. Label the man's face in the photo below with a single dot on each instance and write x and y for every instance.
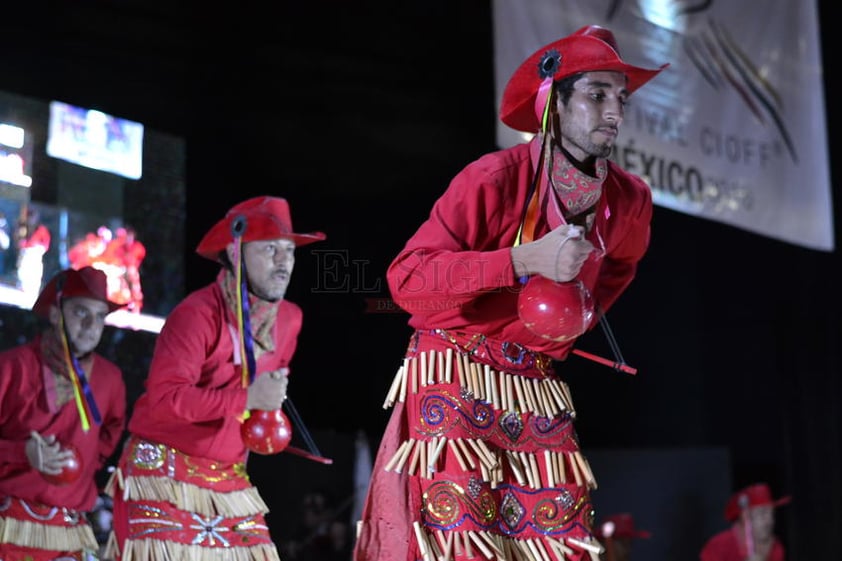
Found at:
(592, 117)
(84, 320)
(269, 265)
(762, 519)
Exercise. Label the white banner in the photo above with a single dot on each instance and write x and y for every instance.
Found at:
(734, 130)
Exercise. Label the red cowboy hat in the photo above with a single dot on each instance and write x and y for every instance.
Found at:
(590, 49)
(620, 526)
(260, 218)
(85, 282)
(757, 494)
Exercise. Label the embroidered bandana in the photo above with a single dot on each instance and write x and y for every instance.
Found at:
(577, 191)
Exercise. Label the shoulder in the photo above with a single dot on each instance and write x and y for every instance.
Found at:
(108, 372)
(490, 180)
(290, 311)
(500, 162)
(105, 365)
(627, 189)
(202, 301)
(201, 308)
(21, 353)
(720, 543)
(627, 179)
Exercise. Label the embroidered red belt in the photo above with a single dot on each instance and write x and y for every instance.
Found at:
(505, 356)
(11, 507)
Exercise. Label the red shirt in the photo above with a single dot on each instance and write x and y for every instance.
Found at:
(24, 408)
(456, 271)
(726, 546)
(194, 392)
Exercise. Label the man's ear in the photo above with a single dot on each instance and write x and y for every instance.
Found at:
(229, 252)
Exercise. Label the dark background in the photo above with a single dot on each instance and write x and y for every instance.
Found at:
(359, 115)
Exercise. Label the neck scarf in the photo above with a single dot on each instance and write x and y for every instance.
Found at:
(52, 353)
(262, 314)
(577, 191)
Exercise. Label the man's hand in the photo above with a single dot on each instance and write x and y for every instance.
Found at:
(558, 256)
(268, 391)
(45, 454)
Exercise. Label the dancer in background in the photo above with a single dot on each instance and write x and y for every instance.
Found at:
(62, 415)
(617, 533)
(751, 537)
(181, 490)
(33, 242)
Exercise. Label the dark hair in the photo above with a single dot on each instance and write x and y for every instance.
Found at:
(564, 87)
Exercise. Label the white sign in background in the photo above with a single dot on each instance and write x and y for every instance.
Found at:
(734, 130)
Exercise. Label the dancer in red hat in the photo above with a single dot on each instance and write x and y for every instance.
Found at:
(617, 532)
(181, 490)
(480, 458)
(62, 414)
(751, 537)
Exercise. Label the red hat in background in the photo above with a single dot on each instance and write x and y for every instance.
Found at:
(757, 494)
(590, 49)
(261, 218)
(86, 282)
(620, 526)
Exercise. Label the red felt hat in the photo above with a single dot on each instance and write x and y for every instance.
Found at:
(620, 526)
(85, 282)
(590, 49)
(258, 219)
(757, 494)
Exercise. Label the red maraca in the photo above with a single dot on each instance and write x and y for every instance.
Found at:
(70, 471)
(266, 432)
(558, 311)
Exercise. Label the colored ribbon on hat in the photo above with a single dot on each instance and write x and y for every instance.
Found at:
(82, 393)
(526, 230)
(238, 227)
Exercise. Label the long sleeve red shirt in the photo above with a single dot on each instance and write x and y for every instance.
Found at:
(24, 408)
(194, 393)
(456, 271)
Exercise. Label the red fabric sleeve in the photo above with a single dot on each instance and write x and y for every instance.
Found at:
(188, 338)
(453, 258)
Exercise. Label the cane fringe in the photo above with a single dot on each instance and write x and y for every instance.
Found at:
(186, 496)
(58, 538)
(111, 549)
(446, 546)
(549, 469)
(153, 550)
(545, 397)
(189, 497)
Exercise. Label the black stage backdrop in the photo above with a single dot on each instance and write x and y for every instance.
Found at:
(360, 116)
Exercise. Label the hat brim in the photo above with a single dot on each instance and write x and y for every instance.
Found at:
(42, 305)
(592, 55)
(219, 236)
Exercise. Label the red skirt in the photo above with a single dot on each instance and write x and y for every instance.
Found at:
(36, 532)
(480, 459)
(168, 505)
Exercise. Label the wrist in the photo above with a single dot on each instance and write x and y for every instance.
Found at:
(519, 255)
